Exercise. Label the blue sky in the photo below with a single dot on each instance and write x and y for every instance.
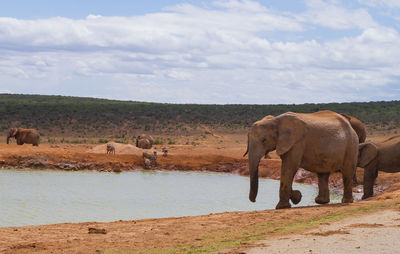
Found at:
(222, 51)
(31, 9)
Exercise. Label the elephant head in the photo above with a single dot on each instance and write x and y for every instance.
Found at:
(357, 126)
(367, 152)
(11, 133)
(268, 134)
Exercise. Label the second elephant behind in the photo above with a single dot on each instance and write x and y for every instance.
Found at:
(144, 141)
(378, 156)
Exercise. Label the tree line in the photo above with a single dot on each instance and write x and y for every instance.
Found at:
(90, 117)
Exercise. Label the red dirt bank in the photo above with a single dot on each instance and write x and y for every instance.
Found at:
(147, 234)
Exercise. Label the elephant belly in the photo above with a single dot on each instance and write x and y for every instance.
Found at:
(325, 151)
(322, 162)
(390, 167)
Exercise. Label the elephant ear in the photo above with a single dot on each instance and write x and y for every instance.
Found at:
(291, 129)
(366, 153)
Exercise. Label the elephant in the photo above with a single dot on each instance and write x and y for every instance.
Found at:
(110, 149)
(29, 136)
(320, 142)
(378, 156)
(359, 128)
(144, 141)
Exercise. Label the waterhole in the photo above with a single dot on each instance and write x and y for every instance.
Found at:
(29, 197)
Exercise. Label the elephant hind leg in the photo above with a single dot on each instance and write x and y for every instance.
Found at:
(347, 174)
(323, 189)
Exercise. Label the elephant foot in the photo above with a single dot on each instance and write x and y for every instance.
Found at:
(365, 196)
(295, 197)
(347, 200)
(322, 200)
(283, 205)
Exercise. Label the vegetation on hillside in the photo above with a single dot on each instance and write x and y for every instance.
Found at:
(88, 117)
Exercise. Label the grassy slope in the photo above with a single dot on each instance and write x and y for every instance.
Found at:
(88, 117)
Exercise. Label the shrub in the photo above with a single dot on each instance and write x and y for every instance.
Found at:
(158, 142)
(102, 141)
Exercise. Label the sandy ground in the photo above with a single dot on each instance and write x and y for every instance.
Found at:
(221, 154)
(368, 234)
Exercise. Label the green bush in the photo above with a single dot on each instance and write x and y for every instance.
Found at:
(158, 142)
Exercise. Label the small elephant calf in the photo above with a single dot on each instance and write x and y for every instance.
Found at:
(110, 149)
(373, 157)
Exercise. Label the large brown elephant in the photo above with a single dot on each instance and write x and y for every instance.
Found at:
(361, 131)
(321, 142)
(378, 156)
(144, 141)
(29, 136)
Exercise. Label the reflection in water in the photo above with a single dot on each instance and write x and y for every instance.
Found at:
(46, 197)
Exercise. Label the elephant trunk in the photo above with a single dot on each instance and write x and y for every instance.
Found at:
(8, 138)
(254, 160)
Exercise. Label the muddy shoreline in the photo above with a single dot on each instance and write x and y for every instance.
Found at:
(269, 168)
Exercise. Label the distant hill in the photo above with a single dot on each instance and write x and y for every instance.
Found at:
(64, 116)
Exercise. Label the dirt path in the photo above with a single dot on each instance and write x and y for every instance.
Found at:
(372, 233)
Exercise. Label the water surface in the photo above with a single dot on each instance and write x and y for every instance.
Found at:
(44, 197)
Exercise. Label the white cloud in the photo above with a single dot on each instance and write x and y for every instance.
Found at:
(333, 15)
(229, 52)
(381, 3)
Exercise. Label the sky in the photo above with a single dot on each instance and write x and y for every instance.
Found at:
(207, 52)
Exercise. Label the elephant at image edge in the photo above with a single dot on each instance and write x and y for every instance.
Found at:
(359, 128)
(373, 157)
(29, 136)
(321, 142)
(144, 141)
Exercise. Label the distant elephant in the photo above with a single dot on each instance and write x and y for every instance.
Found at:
(144, 141)
(29, 136)
(359, 128)
(373, 157)
(320, 142)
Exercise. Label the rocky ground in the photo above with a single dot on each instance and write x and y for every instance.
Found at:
(236, 229)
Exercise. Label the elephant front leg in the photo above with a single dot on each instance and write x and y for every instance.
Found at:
(370, 174)
(285, 190)
(323, 189)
